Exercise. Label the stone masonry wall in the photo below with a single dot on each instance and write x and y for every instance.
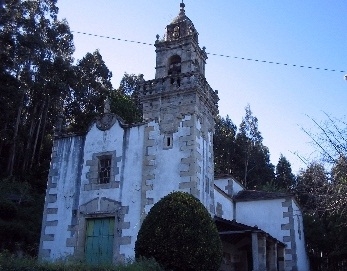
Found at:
(60, 212)
(289, 238)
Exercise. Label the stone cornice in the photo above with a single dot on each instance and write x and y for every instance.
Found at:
(172, 85)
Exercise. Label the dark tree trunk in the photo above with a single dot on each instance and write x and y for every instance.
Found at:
(37, 134)
(27, 152)
(43, 133)
(12, 154)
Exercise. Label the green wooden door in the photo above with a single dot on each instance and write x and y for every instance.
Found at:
(99, 241)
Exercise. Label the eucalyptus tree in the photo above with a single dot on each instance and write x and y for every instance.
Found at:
(38, 53)
(322, 197)
(224, 145)
(247, 139)
(125, 99)
(91, 87)
(253, 166)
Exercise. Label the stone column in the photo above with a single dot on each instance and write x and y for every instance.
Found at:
(255, 253)
(262, 253)
(280, 257)
(273, 257)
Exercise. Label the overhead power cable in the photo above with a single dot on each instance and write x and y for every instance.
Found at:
(214, 54)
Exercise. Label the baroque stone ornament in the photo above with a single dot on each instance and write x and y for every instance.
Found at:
(106, 121)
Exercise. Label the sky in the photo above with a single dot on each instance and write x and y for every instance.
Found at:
(284, 98)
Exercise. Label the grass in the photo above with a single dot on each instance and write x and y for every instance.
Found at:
(9, 262)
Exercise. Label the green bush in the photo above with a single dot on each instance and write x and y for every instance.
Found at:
(180, 234)
(9, 262)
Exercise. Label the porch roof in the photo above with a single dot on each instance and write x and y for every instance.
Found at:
(233, 232)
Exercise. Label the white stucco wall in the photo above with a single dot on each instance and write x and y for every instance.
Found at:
(166, 162)
(66, 156)
(226, 202)
(303, 261)
(266, 214)
(170, 173)
(223, 183)
(282, 219)
(96, 142)
(205, 171)
(237, 187)
(128, 144)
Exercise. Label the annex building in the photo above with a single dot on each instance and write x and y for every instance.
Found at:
(102, 184)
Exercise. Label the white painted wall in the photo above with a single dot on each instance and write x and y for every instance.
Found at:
(303, 261)
(67, 162)
(237, 187)
(128, 143)
(206, 175)
(266, 214)
(222, 183)
(129, 146)
(167, 163)
(130, 189)
(226, 202)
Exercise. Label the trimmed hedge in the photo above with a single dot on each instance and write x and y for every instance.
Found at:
(180, 234)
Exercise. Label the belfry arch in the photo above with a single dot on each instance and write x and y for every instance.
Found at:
(174, 65)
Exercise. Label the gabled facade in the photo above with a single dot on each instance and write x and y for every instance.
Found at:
(102, 184)
(277, 214)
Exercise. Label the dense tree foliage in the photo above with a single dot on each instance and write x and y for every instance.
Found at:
(241, 152)
(285, 179)
(21, 209)
(125, 101)
(325, 219)
(179, 233)
(224, 145)
(36, 56)
(91, 87)
(39, 82)
(321, 189)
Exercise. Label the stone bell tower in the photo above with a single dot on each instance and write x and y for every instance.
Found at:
(180, 108)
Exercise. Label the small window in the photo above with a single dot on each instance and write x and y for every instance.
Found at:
(168, 142)
(104, 169)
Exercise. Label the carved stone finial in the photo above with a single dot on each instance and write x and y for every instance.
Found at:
(107, 106)
(204, 48)
(58, 126)
(157, 36)
(106, 121)
(182, 6)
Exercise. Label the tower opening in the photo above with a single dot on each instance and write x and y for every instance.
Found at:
(174, 65)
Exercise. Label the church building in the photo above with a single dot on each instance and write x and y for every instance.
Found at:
(102, 184)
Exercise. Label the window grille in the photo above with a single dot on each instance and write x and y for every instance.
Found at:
(105, 169)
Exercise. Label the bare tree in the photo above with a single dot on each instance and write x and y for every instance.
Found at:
(331, 142)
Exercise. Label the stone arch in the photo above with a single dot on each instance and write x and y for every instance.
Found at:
(174, 65)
